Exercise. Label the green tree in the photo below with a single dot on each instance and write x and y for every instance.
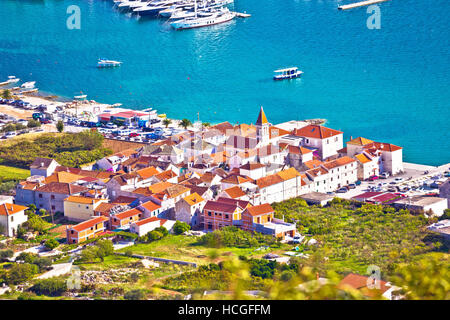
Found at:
(179, 227)
(33, 123)
(51, 244)
(185, 123)
(6, 94)
(60, 126)
(105, 248)
(49, 287)
(426, 279)
(166, 122)
(20, 273)
(206, 124)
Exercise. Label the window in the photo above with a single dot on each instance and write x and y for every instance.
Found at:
(87, 207)
(40, 195)
(226, 216)
(52, 197)
(53, 207)
(209, 213)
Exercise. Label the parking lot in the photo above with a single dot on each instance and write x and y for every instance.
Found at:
(413, 177)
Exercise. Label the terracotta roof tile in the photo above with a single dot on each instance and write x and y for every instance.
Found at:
(316, 131)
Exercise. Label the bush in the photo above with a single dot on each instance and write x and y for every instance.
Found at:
(20, 273)
(60, 126)
(51, 244)
(179, 227)
(5, 254)
(49, 287)
(137, 294)
(105, 248)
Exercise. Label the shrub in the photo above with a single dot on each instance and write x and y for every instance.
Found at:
(137, 294)
(5, 254)
(49, 287)
(179, 227)
(51, 244)
(21, 272)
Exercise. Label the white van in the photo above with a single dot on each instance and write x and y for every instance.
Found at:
(123, 132)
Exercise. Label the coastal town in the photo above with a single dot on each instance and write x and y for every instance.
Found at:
(193, 179)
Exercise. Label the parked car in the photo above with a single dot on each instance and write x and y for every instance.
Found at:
(298, 239)
(11, 134)
(384, 175)
(134, 134)
(342, 190)
(399, 179)
(373, 178)
(351, 186)
(358, 183)
(111, 125)
(44, 120)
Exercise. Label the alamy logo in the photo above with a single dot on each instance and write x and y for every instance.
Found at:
(74, 20)
(374, 21)
(74, 281)
(373, 282)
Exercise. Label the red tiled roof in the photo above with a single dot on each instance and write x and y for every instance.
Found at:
(8, 209)
(316, 131)
(60, 187)
(89, 223)
(261, 209)
(235, 192)
(127, 214)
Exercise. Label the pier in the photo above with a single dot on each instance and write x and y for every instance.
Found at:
(360, 4)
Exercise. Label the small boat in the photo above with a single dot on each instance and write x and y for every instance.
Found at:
(13, 79)
(287, 73)
(162, 115)
(28, 85)
(80, 97)
(105, 63)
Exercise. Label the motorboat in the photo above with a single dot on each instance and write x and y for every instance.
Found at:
(153, 8)
(12, 79)
(105, 63)
(287, 73)
(220, 16)
(28, 85)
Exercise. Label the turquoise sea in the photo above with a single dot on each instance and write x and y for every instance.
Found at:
(390, 85)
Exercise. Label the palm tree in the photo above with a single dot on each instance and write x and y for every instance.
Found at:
(185, 123)
(206, 124)
(167, 122)
(6, 94)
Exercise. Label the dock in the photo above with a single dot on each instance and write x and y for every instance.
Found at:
(360, 4)
(242, 14)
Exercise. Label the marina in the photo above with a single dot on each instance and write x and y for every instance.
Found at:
(182, 14)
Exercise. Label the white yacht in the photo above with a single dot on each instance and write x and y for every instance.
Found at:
(220, 16)
(28, 85)
(12, 79)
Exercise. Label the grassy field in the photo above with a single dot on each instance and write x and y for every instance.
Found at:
(184, 248)
(8, 173)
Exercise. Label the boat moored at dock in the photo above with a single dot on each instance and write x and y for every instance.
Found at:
(216, 17)
(287, 73)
